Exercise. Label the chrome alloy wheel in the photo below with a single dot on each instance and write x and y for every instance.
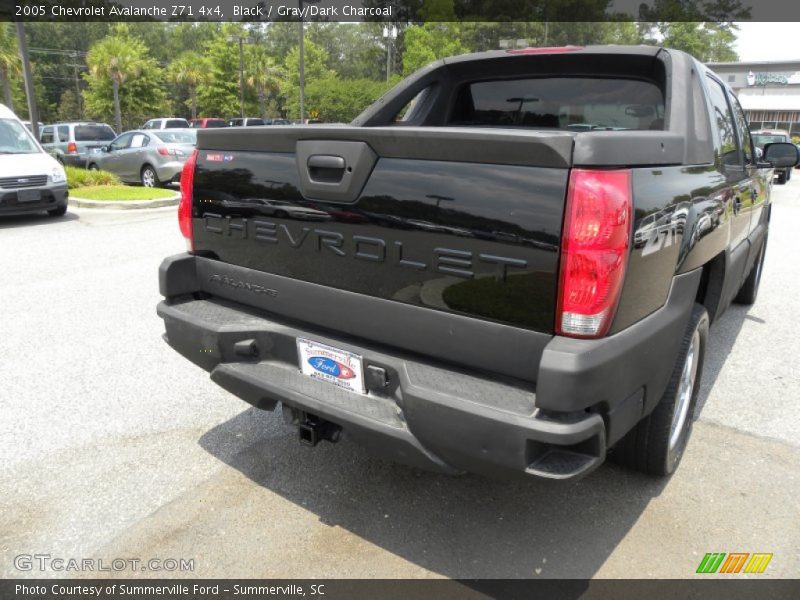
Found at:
(688, 377)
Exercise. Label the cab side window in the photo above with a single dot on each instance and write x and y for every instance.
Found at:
(729, 150)
(63, 133)
(744, 132)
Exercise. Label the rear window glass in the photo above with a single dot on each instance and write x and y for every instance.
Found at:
(760, 139)
(171, 123)
(252, 122)
(571, 103)
(177, 137)
(93, 133)
(216, 123)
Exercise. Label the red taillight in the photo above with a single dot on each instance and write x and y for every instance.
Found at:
(185, 207)
(550, 50)
(163, 151)
(72, 148)
(594, 251)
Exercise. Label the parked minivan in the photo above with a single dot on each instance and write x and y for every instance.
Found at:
(72, 143)
(30, 179)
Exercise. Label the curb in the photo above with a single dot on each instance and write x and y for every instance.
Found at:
(124, 205)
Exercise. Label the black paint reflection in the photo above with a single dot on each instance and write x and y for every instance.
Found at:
(418, 230)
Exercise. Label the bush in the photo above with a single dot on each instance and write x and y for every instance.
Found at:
(83, 177)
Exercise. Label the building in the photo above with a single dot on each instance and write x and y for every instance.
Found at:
(768, 91)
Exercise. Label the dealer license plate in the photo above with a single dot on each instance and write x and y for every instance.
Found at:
(29, 195)
(332, 365)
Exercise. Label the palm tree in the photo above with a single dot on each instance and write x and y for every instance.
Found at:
(263, 75)
(192, 70)
(9, 61)
(116, 57)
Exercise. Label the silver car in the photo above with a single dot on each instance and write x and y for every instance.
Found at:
(151, 158)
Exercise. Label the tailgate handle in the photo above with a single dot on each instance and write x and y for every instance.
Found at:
(325, 168)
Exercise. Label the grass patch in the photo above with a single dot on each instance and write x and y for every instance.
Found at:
(523, 299)
(122, 193)
(83, 177)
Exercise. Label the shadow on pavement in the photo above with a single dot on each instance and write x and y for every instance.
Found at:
(722, 337)
(34, 219)
(464, 527)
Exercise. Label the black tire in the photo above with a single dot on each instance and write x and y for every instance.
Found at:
(93, 167)
(781, 177)
(788, 174)
(148, 177)
(652, 446)
(749, 290)
(58, 212)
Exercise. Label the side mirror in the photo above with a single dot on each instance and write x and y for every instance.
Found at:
(105, 148)
(781, 155)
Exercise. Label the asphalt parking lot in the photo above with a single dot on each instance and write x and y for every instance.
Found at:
(112, 445)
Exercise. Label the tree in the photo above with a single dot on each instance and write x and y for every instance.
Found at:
(117, 58)
(315, 66)
(68, 109)
(9, 61)
(123, 80)
(192, 70)
(264, 75)
(705, 30)
(429, 42)
(339, 100)
(220, 96)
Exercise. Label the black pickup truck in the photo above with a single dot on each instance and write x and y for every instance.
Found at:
(507, 264)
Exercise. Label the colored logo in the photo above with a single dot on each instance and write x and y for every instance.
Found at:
(735, 562)
(331, 367)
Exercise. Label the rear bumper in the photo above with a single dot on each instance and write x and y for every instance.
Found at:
(75, 160)
(170, 172)
(427, 413)
(52, 197)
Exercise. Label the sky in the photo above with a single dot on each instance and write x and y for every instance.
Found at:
(756, 41)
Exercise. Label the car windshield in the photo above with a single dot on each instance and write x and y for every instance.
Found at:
(94, 133)
(254, 122)
(177, 137)
(15, 138)
(216, 123)
(176, 123)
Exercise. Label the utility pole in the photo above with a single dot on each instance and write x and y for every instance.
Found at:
(30, 92)
(303, 59)
(390, 34)
(75, 66)
(302, 66)
(241, 76)
(241, 39)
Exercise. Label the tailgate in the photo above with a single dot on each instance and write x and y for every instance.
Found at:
(461, 221)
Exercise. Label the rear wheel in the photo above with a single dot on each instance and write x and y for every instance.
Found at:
(749, 290)
(149, 178)
(58, 212)
(655, 446)
(93, 167)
